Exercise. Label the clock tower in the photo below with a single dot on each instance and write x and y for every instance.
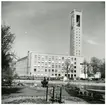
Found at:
(76, 33)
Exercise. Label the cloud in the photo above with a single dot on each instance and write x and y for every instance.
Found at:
(90, 39)
(92, 42)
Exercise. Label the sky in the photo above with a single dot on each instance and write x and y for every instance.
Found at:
(44, 26)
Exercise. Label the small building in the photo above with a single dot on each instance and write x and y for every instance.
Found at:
(21, 66)
(97, 75)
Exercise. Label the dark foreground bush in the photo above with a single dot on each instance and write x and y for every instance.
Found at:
(30, 100)
(9, 90)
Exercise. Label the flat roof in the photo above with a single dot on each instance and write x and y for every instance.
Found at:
(76, 11)
(52, 54)
(22, 58)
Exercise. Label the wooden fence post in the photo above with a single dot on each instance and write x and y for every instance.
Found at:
(47, 93)
(60, 94)
(53, 93)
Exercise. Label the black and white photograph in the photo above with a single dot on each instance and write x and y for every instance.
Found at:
(53, 52)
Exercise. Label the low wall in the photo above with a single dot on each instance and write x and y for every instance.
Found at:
(63, 83)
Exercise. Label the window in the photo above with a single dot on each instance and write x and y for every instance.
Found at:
(74, 66)
(52, 66)
(42, 57)
(58, 74)
(42, 63)
(74, 75)
(74, 62)
(52, 74)
(52, 70)
(35, 70)
(62, 58)
(55, 74)
(81, 63)
(38, 58)
(49, 70)
(74, 58)
(65, 74)
(62, 64)
(49, 59)
(74, 71)
(71, 75)
(45, 70)
(78, 20)
(56, 70)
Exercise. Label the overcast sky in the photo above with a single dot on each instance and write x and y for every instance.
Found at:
(44, 26)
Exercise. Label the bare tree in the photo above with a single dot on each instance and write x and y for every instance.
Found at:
(85, 63)
(67, 67)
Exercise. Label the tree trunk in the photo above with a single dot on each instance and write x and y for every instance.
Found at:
(67, 71)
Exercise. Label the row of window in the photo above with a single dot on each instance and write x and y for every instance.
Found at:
(72, 75)
(50, 70)
(56, 66)
(55, 70)
(78, 54)
(76, 29)
(50, 58)
(53, 58)
(50, 63)
(56, 74)
(52, 66)
(69, 75)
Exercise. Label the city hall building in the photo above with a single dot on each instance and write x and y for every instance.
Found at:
(53, 65)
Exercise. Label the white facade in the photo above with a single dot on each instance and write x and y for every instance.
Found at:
(49, 65)
(76, 33)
